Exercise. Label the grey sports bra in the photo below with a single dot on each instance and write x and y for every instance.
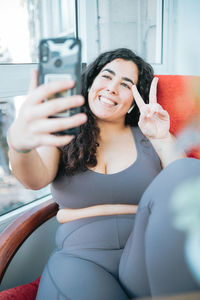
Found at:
(125, 187)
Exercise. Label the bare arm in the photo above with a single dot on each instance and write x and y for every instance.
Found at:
(167, 150)
(154, 122)
(37, 168)
(33, 154)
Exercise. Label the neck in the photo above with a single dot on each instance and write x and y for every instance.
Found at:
(109, 130)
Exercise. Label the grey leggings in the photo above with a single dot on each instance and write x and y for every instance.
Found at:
(122, 257)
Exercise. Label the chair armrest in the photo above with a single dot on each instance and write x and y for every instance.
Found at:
(18, 231)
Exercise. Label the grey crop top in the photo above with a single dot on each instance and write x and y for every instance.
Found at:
(125, 187)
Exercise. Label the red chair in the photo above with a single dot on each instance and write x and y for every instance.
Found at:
(177, 95)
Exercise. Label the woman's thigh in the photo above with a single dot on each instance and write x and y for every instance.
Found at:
(68, 277)
(153, 260)
(86, 262)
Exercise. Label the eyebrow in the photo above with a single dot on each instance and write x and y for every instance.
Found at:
(113, 73)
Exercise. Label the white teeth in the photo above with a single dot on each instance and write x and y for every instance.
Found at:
(105, 100)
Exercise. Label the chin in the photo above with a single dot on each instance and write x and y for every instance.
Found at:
(101, 114)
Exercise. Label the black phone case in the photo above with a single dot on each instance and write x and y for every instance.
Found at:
(60, 58)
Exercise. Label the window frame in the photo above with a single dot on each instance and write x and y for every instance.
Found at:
(15, 79)
(88, 32)
(168, 25)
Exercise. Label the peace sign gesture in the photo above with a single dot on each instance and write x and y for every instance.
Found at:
(154, 121)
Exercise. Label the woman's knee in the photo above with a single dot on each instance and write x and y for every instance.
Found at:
(169, 178)
(179, 170)
(188, 165)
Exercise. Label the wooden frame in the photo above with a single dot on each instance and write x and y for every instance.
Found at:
(18, 231)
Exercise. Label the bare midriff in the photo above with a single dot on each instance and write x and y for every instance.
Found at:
(70, 214)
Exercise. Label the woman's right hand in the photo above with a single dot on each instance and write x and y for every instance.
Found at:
(32, 128)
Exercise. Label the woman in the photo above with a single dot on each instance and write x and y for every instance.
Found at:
(99, 177)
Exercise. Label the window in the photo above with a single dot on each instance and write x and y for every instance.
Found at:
(22, 24)
(12, 192)
(133, 24)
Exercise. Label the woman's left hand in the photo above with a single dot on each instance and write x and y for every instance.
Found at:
(154, 121)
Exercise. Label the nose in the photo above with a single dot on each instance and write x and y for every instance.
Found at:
(112, 87)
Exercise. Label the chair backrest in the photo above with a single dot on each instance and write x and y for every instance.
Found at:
(180, 96)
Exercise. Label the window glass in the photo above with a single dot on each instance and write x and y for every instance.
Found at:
(24, 22)
(12, 193)
(134, 24)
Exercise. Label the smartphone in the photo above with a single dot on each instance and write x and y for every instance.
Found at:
(60, 59)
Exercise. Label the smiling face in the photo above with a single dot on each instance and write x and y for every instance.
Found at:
(110, 96)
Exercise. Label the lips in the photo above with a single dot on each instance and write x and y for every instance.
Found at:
(107, 101)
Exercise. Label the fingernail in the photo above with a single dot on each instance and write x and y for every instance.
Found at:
(70, 82)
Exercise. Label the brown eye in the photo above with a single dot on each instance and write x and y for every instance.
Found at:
(125, 85)
(106, 76)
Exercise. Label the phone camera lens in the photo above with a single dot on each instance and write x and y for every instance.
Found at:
(58, 62)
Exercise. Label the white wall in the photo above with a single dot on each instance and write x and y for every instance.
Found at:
(185, 55)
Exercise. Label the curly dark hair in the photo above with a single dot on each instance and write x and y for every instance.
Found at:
(81, 152)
